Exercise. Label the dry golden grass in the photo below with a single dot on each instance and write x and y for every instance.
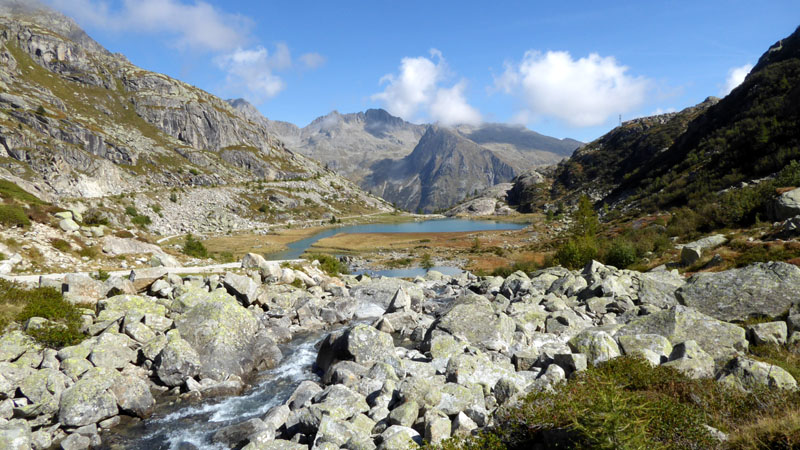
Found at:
(780, 431)
(241, 244)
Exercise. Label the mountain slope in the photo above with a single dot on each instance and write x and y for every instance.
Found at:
(708, 157)
(442, 170)
(518, 144)
(79, 122)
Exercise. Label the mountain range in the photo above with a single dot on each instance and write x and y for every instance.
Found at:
(391, 157)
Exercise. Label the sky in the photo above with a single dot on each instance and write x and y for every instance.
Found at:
(565, 69)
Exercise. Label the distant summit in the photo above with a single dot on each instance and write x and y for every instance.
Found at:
(362, 146)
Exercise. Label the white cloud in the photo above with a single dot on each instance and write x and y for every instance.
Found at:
(660, 111)
(312, 60)
(416, 90)
(735, 77)
(581, 92)
(250, 71)
(195, 25)
(451, 108)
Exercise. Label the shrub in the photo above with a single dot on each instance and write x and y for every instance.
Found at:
(141, 221)
(329, 264)
(61, 245)
(131, 211)
(426, 262)
(193, 247)
(577, 252)
(13, 215)
(102, 275)
(173, 197)
(620, 254)
(47, 303)
(123, 234)
(263, 208)
(3, 256)
(194, 171)
(95, 217)
(524, 266)
(40, 111)
(88, 252)
(156, 208)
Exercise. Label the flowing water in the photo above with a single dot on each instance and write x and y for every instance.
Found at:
(195, 424)
(192, 426)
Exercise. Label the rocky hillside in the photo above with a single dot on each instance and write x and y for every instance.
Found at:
(400, 361)
(79, 122)
(441, 171)
(689, 157)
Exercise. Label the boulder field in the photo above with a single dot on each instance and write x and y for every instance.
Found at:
(399, 361)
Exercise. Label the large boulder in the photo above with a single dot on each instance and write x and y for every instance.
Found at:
(749, 374)
(80, 288)
(177, 361)
(658, 288)
(690, 359)
(89, 400)
(361, 343)
(679, 324)
(787, 205)
(473, 319)
(597, 345)
(15, 435)
(693, 251)
(133, 396)
(225, 336)
(241, 286)
(761, 289)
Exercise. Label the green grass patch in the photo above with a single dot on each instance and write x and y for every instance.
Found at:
(10, 191)
(13, 215)
(398, 263)
(194, 248)
(61, 245)
(19, 305)
(329, 264)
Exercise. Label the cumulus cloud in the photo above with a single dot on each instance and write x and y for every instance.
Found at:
(450, 107)
(735, 77)
(312, 60)
(581, 92)
(199, 26)
(195, 25)
(251, 71)
(416, 89)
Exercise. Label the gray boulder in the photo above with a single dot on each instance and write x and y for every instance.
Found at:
(748, 374)
(787, 205)
(678, 324)
(597, 345)
(770, 333)
(761, 289)
(177, 361)
(473, 319)
(242, 287)
(225, 336)
(361, 343)
(89, 400)
(133, 396)
(690, 359)
(15, 435)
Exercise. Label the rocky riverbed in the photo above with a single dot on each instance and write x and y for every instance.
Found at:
(396, 361)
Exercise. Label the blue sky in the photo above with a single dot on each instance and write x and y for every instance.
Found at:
(566, 69)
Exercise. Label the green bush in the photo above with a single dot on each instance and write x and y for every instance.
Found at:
(61, 245)
(131, 211)
(426, 262)
(577, 252)
(156, 208)
(524, 266)
(95, 217)
(329, 264)
(13, 215)
(141, 221)
(193, 247)
(47, 303)
(620, 254)
(173, 197)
